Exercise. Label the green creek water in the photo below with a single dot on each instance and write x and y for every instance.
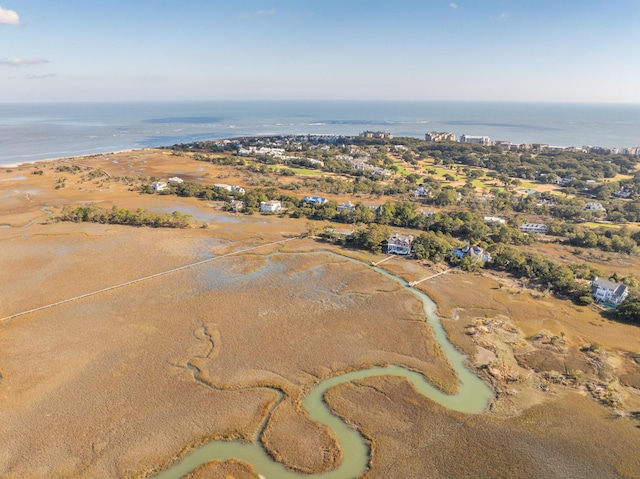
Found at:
(472, 398)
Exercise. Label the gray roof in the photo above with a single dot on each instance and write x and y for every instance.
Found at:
(618, 289)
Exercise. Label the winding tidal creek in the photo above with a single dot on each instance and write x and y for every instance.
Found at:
(472, 398)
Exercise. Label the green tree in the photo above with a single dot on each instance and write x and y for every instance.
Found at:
(432, 246)
(629, 310)
(372, 237)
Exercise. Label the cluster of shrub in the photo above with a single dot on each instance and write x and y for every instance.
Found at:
(123, 216)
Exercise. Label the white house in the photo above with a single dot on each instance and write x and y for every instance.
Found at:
(314, 200)
(237, 205)
(475, 252)
(222, 186)
(605, 291)
(564, 181)
(346, 206)
(399, 244)
(175, 180)
(594, 206)
(159, 186)
(539, 228)
(421, 192)
(622, 193)
(238, 189)
(270, 206)
(494, 219)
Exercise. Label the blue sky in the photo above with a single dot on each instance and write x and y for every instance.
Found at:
(485, 50)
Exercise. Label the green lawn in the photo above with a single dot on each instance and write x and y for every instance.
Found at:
(297, 171)
(444, 171)
(591, 224)
(401, 169)
(305, 171)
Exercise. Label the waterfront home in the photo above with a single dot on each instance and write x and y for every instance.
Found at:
(159, 186)
(175, 180)
(270, 206)
(399, 244)
(222, 186)
(605, 291)
(475, 252)
(343, 234)
(237, 205)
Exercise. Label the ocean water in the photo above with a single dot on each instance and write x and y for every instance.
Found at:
(32, 132)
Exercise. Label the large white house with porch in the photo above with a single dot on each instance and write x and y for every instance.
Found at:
(605, 291)
(399, 244)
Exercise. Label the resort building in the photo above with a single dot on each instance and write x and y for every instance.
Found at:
(479, 140)
(605, 291)
(270, 206)
(399, 244)
(439, 136)
(385, 135)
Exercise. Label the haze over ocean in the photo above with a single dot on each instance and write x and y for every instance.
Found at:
(32, 132)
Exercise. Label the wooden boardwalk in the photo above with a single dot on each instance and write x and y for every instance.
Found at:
(414, 283)
(382, 261)
(145, 278)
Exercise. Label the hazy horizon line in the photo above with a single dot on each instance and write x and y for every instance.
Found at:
(316, 100)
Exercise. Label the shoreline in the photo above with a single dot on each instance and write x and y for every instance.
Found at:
(61, 158)
(264, 135)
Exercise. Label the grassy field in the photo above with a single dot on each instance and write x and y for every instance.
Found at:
(297, 171)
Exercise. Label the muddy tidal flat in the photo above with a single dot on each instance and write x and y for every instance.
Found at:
(123, 383)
